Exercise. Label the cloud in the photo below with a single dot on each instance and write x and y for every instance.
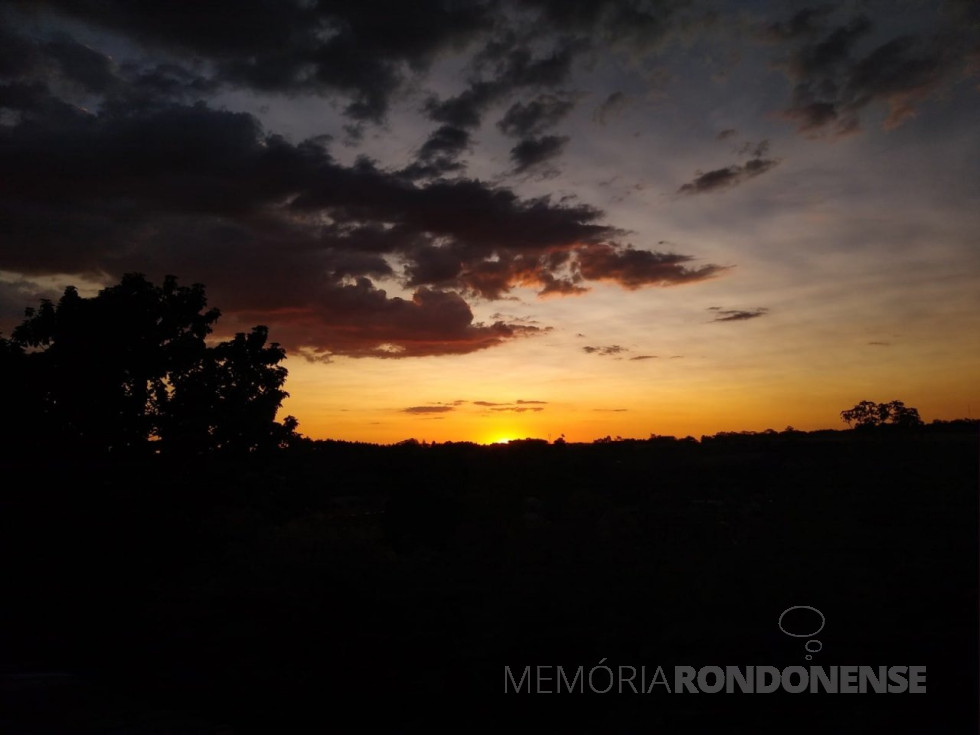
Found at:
(725, 178)
(612, 107)
(611, 410)
(519, 406)
(447, 141)
(634, 269)
(238, 196)
(880, 344)
(532, 152)
(533, 47)
(644, 357)
(504, 66)
(18, 293)
(628, 27)
(134, 165)
(736, 315)
(360, 320)
(535, 117)
(607, 350)
(440, 154)
(805, 23)
(427, 409)
(835, 81)
(726, 134)
(355, 49)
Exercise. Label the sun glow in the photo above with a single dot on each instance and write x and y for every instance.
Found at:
(500, 437)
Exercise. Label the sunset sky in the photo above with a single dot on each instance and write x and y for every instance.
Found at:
(486, 220)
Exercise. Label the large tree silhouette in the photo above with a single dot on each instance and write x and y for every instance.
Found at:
(130, 370)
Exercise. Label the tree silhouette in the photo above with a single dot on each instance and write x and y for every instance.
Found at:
(130, 368)
(229, 400)
(868, 415)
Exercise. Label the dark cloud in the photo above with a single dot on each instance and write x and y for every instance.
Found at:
(360, 320)
(370, 51)
(613, 106)
(80, 64)
(111, 167)
(736, 315)
(644, 357)
(45, 76)
(512, 63)
(832, 51)
(238, 196)
(427, 409)
(552, 286)
(758, 150)
(363, 50)
(721, 179)
(115, 206)
(506, 66)
(625, 25)
(57, 60)
(536, 50)
(558, 269)
(835, 80)
(533, 152)
(16, 295)
(535, 117)
(607, 350)
(634, 269)
(466, 109)
(727, 133)
(880, 344)
(447, 141)
(439, 155)
(527, 403)
(611, 410)
(805, 23)
(519, 409)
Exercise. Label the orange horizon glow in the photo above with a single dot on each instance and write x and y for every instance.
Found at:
(581, 423)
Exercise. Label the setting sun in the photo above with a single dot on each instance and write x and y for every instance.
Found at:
(448, 250)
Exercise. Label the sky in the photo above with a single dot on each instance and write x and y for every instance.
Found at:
(479, 221)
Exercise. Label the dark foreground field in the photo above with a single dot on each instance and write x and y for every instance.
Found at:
(352, 588)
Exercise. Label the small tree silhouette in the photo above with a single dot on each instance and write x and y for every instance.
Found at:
(869, 415)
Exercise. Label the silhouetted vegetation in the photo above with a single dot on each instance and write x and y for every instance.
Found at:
(346, 587)
(130, 371)
(871, 415)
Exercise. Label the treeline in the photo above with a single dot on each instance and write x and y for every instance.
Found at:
(267, 592)
(935, 427)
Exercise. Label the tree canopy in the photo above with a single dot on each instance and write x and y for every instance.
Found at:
(131, 369)
(867, 414)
